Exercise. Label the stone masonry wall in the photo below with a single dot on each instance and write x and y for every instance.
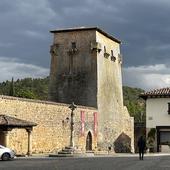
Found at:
(94, 80)
(53, 130)
(115, 124)
(119, 134)
(73, 74)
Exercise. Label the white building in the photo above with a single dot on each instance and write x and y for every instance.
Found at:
(158, 117)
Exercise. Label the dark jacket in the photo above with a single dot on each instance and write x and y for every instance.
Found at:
(141, 143)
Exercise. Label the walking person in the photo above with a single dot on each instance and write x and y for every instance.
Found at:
(141, 146)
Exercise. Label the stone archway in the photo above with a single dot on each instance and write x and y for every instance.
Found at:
(89, 141)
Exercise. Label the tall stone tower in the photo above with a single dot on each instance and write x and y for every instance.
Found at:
(86, 69)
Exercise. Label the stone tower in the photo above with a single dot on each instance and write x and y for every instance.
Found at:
(86, 69)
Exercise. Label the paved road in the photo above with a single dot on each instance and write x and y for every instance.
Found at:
(106, 163)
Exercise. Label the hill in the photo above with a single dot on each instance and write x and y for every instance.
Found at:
(135, 105)
(27, 88)
(38, 89)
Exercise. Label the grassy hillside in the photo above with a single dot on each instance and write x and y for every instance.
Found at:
(135, 105)
(38, 89)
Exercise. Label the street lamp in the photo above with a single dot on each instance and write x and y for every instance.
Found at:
(72, 107)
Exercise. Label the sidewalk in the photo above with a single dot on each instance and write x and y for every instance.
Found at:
(137, 155)
(40, 156)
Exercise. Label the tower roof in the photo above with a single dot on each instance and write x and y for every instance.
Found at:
(84, 29)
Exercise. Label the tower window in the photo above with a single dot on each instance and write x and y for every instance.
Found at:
(169, 108)
(73, 45)
(106, 55)
(104, 49)
(73, 49)
(113, 58)
(112, 52)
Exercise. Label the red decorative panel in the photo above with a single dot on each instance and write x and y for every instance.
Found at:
(82, 122)
(95, 123)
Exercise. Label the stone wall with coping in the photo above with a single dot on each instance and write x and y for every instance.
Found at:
(53, 130)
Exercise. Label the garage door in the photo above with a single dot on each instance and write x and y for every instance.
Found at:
(164, 137)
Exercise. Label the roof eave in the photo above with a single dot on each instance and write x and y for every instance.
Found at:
(143, 96)
(146, 96)
(87, 28)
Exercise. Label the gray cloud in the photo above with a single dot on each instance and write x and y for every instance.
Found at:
(147, 77)
(13, 68)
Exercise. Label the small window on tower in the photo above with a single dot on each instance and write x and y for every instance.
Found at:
(169, 108)
(73, 44)
(73, 49)
(113, 58)
(106, 55)
(104, 49)
(112, 52)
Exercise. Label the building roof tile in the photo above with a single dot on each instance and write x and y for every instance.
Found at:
(163, 92)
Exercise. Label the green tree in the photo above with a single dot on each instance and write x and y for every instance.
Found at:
(26, 93)
(134, 104)
(11, 90)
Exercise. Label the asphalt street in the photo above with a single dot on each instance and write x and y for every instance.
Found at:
(94, 163)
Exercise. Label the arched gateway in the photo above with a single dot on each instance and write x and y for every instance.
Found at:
(89, 142)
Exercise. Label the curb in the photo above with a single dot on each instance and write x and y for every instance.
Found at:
(90, 156)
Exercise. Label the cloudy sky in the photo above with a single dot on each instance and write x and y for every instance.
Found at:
(143, 26)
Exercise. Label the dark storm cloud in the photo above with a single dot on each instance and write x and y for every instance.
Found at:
(143, 26)
(24, 26)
